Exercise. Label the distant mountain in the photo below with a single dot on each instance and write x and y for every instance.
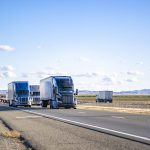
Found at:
(3, 92)
(140, 92)
(86, 92)
(134, 92)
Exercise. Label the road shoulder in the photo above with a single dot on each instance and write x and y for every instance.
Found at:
(115, 109)
(10, 140)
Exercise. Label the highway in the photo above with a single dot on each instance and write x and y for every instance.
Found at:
(128, 126)
(132, 126)
(135, 127)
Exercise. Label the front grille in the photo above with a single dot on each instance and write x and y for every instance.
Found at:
(24, 100)
(36, 99)
(67, 99)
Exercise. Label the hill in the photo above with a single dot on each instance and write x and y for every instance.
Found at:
(134, 92)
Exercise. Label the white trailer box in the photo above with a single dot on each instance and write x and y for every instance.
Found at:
(35, 94)
(104, 96)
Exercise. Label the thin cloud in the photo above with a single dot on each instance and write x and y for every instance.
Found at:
(140, 63)
(25, 75)
(7, 68)
(6, 48)
(9, 74)
(39, 47)
(108, 80)
(87, 75)
(131, 80)
(7, 71)
(84, 59)
(135, 73)
(41, 74)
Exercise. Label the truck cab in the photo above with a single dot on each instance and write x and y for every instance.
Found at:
(57, 91)
(35, 94)
(18, 94)
(64, 92)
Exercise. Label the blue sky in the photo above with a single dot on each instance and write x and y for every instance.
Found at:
(102, 44)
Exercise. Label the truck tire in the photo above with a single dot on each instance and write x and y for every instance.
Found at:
(67, 107)
(10, 104)
(75, 107)
(13, 104)
(51, 107)
(44, 104)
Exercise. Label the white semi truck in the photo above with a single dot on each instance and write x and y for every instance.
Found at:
(35, 94)
(18, 94)
(104, 96)
(57, 91)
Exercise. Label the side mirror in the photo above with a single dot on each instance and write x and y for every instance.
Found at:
(76, 92)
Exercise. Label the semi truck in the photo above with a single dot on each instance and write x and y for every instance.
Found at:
(104, 96)
(58, 91)
(35, 94)
(18, 94)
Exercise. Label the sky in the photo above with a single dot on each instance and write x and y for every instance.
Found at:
(102, 44)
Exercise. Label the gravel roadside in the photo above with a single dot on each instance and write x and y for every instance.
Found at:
(9, 140)
(44, 134)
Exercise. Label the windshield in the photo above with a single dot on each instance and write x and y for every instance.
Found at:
(66, 89)
(22, 86)
(35, 94)
(64, 83)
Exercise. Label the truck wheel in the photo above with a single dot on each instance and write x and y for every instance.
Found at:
(44, 104)
(9, 104)
(67, 107)
(51, 107)
(13, 104)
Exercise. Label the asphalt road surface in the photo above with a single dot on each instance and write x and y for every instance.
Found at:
(134, 127)
(125, 125)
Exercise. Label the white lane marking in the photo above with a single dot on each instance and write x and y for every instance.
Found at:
(28, 117)
(89, 125)
(118, 117)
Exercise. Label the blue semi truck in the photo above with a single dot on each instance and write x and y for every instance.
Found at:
(57, 91)
(18, 94)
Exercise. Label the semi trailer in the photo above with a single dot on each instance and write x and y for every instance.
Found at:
(35, 94)
(18, 94)
(104, 96)
(58, 91)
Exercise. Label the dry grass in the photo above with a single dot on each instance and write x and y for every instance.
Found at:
(117, 98)
(141, 98)
(10, 134)
(124, 101)
(116, 109)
